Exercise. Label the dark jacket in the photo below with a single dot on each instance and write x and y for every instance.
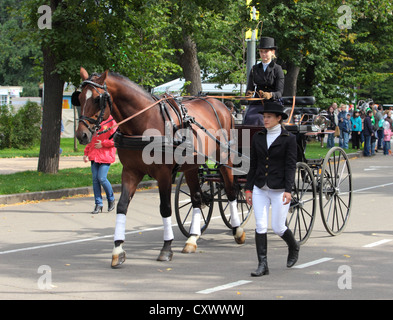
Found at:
(271, 80)
(330, 116)
(275, 166)
(368, 129)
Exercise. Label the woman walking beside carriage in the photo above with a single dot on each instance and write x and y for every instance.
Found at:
(269, 183)
(102, 153)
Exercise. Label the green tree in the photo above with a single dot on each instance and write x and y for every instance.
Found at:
(222, 44)
(96, 34)
(17, 54)
(320, 57)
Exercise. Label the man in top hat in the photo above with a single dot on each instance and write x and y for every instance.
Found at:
(266, 81)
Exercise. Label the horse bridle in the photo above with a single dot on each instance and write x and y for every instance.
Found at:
(105, 99)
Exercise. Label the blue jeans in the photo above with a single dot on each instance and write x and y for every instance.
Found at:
(367, 145)
(386, 147)
(100, 172)
(330, 140)
(343, 140)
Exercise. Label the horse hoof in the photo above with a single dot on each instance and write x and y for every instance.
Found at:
(189, 248)
(191, 244)
(118, 257)
(240, 235)
(165, 256)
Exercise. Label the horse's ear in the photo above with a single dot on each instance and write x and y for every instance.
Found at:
(84, 74)
(103, 77)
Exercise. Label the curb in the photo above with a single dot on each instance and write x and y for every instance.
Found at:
(62, 193)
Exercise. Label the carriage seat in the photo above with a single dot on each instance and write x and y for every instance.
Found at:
(299, 101)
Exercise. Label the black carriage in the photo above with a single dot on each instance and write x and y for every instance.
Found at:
(327, 181)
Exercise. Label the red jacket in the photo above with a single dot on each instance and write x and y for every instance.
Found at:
(107, 154)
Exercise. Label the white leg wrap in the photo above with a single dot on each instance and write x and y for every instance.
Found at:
(120, 228)
(196, 222)
(168, 232)
(192, 240)
(234, 214)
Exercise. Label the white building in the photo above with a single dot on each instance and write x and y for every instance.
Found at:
(175, 88)
(7, 93)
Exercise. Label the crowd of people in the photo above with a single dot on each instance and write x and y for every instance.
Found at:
(370, 128)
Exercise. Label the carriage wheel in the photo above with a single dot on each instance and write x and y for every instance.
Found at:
(183, 205)
(243, 208)
(301, 215)
(335, 194)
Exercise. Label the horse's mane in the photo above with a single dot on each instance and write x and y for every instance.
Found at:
(130, 83)
(124, 79)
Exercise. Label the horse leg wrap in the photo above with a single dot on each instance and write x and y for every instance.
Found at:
(235, 222)
(120, 228)
(196, 222)
(168, 232)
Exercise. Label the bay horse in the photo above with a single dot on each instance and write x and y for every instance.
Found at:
(110, 93)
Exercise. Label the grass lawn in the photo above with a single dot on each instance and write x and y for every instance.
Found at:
(67, 144)
(32, 181)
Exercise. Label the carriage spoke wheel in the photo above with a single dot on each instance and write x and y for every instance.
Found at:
(301, 215)
(244, 210)
(184, 207)
(335, 194)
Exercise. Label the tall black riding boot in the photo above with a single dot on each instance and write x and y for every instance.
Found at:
(261, 244)
(293, 247)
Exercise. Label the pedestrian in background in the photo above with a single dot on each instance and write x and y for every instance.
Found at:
(356, 129)
(332, 117)
(368, 132)
(102, 153)
(343, 124)
(379, 126)
(387, 136)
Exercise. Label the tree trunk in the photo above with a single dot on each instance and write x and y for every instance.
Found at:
(51, 116)
(190, 65)
(291, 80)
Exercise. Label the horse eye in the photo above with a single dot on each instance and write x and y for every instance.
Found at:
(97, 100)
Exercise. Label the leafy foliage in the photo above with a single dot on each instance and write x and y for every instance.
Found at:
(21, 129)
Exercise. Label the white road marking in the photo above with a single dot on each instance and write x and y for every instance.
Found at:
(312, 263)
(76, 241)
(374, 244)
(374, 187)
(225, 286)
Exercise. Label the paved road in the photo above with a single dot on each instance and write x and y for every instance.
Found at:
(58, 250)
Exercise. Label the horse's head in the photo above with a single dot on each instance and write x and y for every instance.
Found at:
(96, 105)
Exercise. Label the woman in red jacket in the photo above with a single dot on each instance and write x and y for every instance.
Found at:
(102, 152)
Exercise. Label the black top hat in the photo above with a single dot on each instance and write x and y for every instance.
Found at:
(266, 43)
(274, 107)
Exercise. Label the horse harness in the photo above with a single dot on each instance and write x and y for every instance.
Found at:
(104, 100)
(166, 104)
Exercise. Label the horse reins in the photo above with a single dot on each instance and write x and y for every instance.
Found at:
(105, 99)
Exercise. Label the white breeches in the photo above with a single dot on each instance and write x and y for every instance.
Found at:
(262, 199)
